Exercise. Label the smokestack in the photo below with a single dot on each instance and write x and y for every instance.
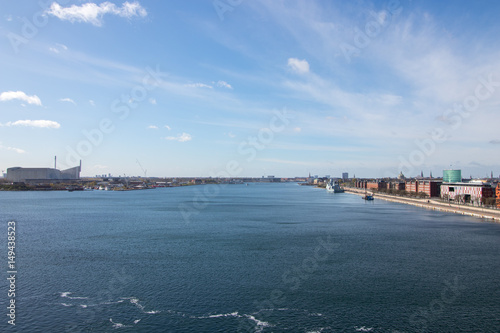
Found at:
(55, 162)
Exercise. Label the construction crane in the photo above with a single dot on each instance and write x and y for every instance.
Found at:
(145, 171)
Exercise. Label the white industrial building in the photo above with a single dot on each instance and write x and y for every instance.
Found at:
(43, 175)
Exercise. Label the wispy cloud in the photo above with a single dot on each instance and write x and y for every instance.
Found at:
(20, 95)
(91, 102)
(495, 142)
(224, 84)
(58, 48)
(275, 160)
(93, 13)
(69, 100)
(152, 101)
(168, 127)
(100, 167)
(299, 66)
(152, 127)
(17, 150)
(184, 137)
(198, 85)
(33, 123)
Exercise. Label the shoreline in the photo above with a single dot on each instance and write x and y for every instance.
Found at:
(484, 213)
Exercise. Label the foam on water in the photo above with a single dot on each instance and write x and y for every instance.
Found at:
(117, 325)
(135, 301)
(259, 325)
(67, 293)
(363, 329)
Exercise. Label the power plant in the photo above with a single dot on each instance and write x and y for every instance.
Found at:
(43, 175)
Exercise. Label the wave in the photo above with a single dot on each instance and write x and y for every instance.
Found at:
(118, 325)
(67, 293)
(259, 324)
(363, 329)
(135, 301)
(320, 330)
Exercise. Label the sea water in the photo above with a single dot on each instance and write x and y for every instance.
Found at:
(236, 258)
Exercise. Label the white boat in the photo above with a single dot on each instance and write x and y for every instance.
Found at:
(333, 186)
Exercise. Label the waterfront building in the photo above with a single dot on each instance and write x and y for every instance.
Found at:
(473, 192)
(498, 195)
(377, 185)
(452, 176)
(429, 187)
(345, 176)
(43, 175)
(396, 185)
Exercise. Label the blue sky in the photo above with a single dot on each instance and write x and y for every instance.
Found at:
(251, 88)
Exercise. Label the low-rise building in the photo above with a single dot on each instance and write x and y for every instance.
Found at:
(472, 192)
(429, 187)
(376, 185)
(498, 195)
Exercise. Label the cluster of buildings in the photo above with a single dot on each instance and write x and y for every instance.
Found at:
(451, 187)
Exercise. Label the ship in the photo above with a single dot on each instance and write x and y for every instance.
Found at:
(368, 197)
(333, 186)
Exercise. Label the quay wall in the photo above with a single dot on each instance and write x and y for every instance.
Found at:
(436, 205)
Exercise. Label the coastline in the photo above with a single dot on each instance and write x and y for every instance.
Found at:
(431, 204)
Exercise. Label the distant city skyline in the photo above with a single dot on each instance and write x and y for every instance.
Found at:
(251, 88)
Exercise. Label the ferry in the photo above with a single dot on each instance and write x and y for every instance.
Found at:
(333, 186)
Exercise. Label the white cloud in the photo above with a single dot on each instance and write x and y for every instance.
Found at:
(152, 127)
(297, 129)
(275, 160)
(10, 95)
(198, 85)
(184, 137)
(69, 100)
(168, 127)
(17, 150)
(33, 123)
(58, 48)
(299, 66)
(93, 13)
(99, 167)
(91, 102)
(224, 84)
(231, 135)
(152, 101)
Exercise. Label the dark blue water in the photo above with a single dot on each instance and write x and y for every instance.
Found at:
(257, 258)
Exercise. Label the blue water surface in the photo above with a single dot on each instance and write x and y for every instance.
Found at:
(256, 258)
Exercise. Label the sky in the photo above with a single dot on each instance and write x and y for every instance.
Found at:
(240, 88)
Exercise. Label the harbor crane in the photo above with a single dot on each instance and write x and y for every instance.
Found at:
(145, 171)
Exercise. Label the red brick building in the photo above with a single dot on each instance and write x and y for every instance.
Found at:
(376, 185)
(430, 187)
(498, 195)
(399, 186)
